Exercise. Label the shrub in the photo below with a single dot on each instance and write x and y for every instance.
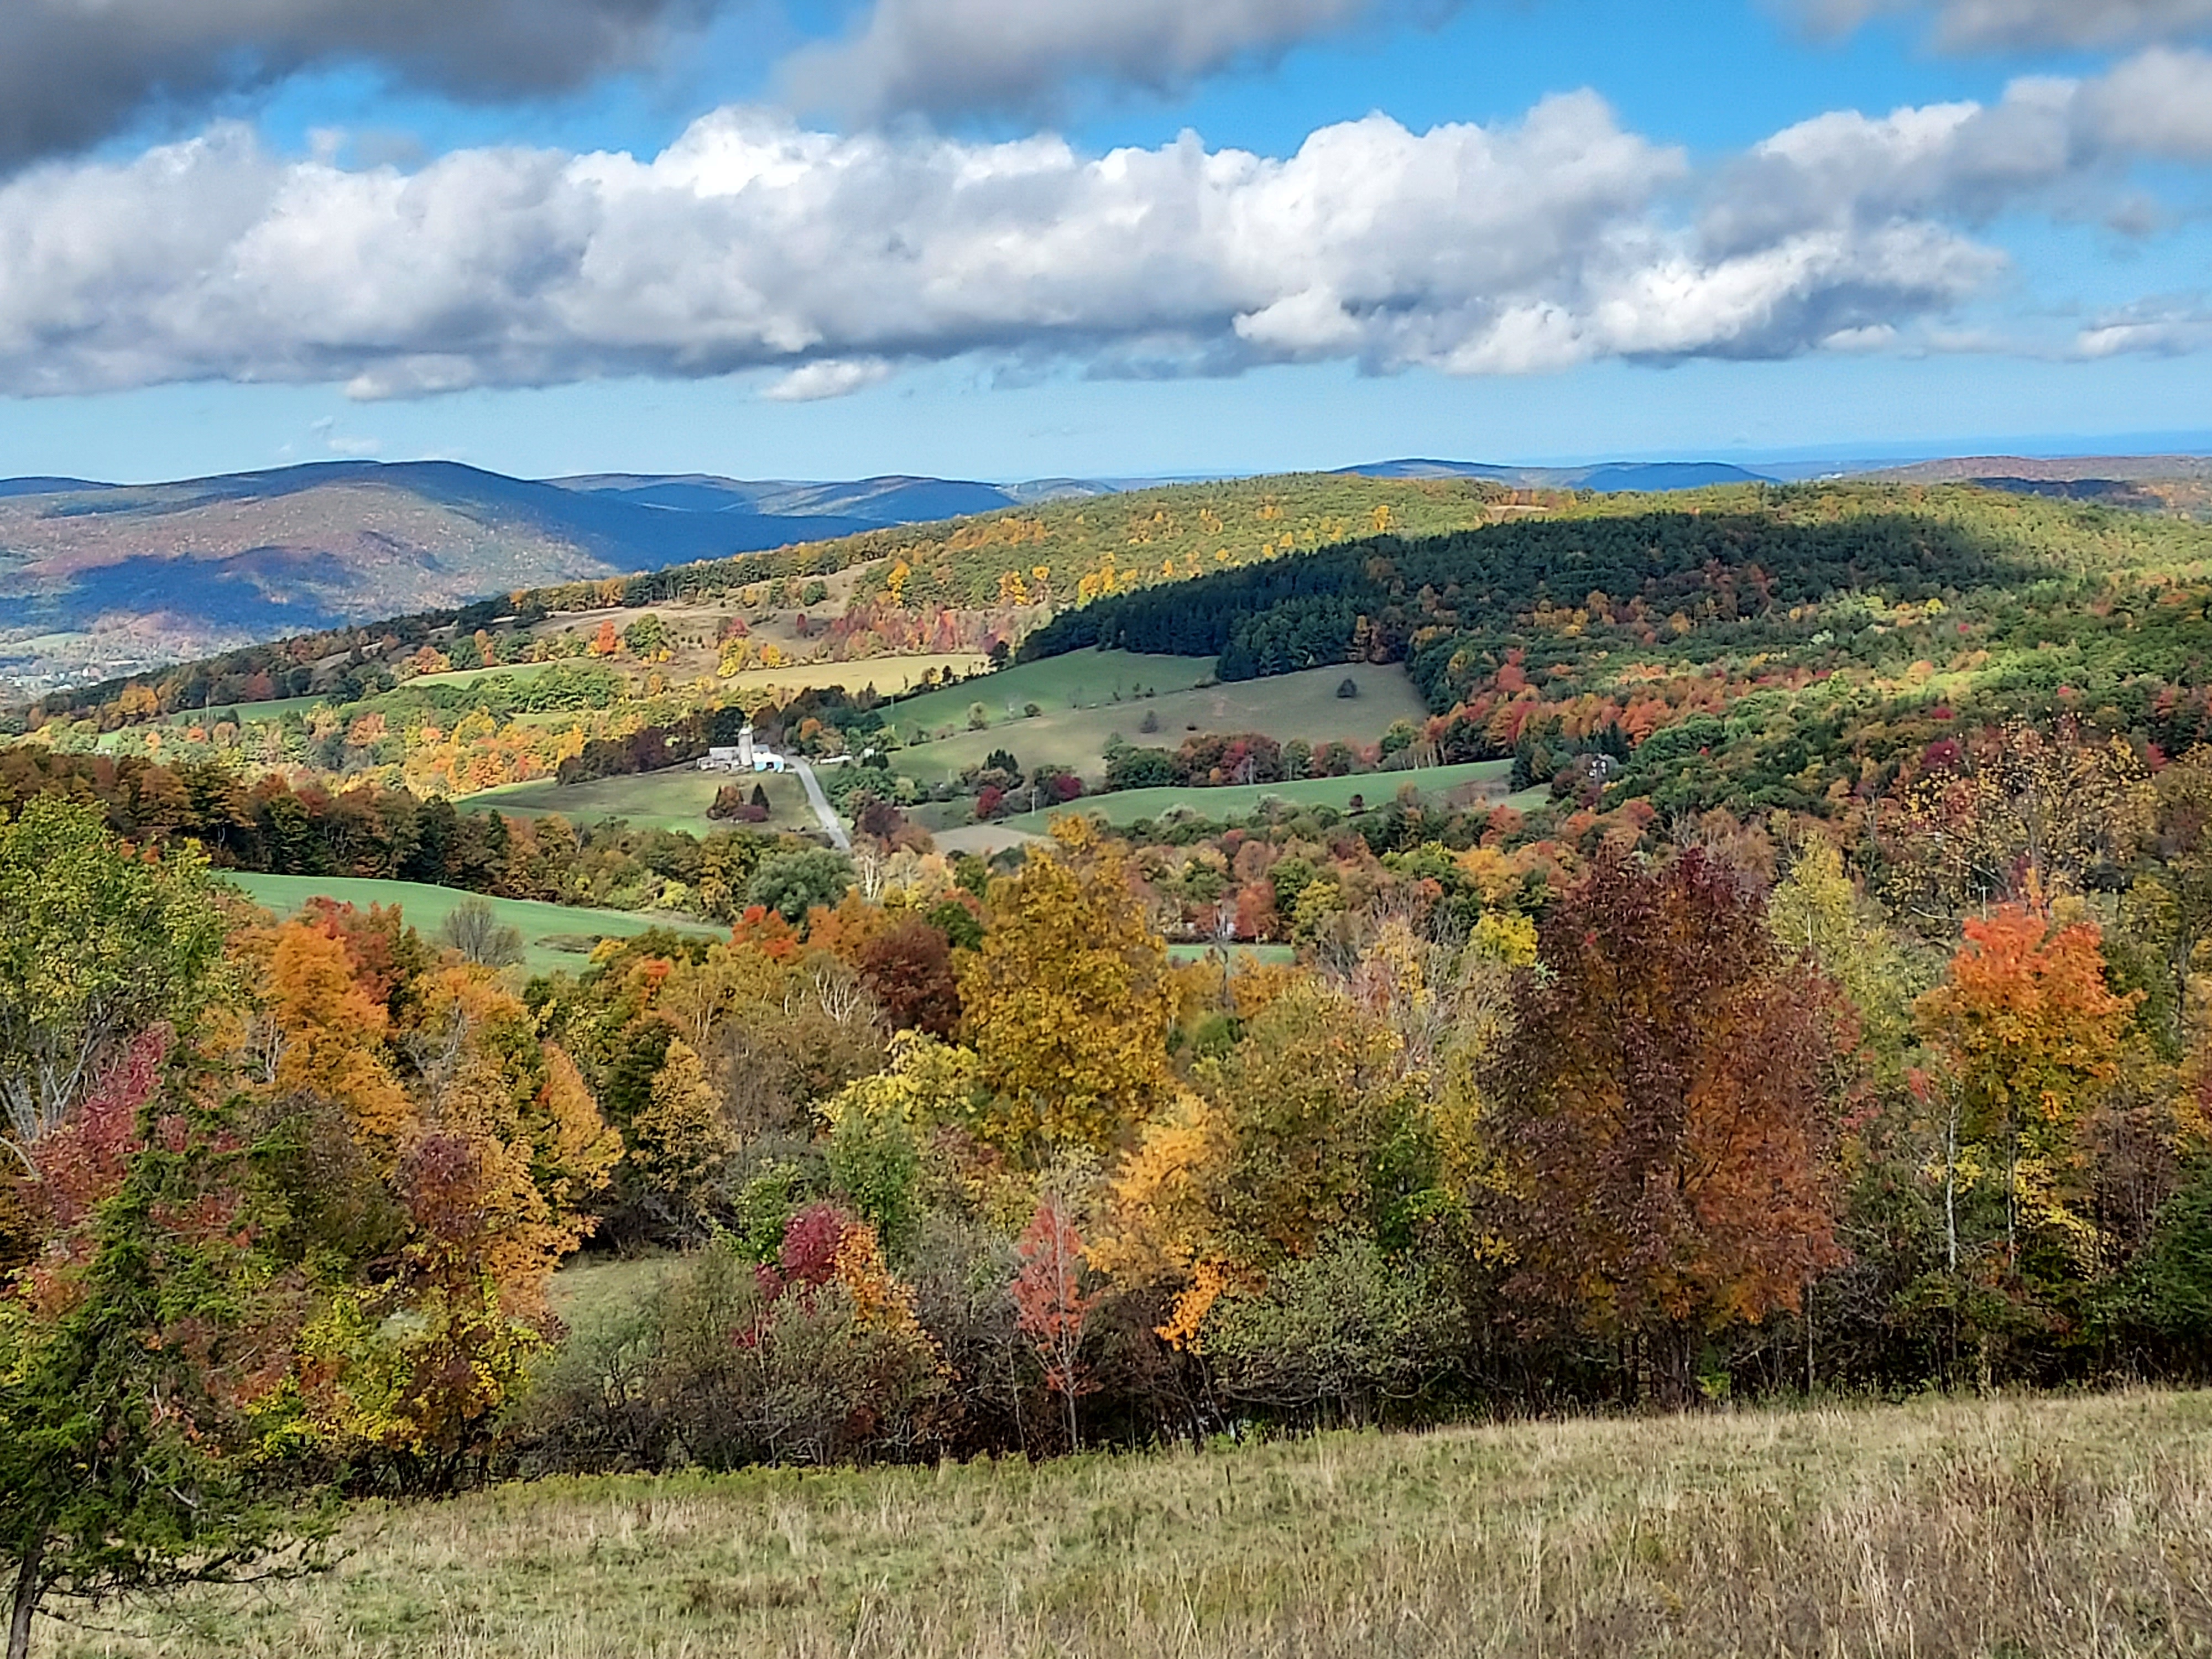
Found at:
(474, 929)
(1343, 1336)
(723, 1365)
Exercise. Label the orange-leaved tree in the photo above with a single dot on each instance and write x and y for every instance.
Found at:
(1051, 1304)
(2026, 1032)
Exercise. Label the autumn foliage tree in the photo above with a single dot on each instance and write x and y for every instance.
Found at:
(907, 966)
(1661, 1115)
(98, 943)
(138, 1354)
(2026, 1032)
(1052, 1304)
(1068, 1003)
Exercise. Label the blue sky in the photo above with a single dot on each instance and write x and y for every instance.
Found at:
(1575, 236)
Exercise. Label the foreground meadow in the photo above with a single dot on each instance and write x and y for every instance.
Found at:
(2003, 1527)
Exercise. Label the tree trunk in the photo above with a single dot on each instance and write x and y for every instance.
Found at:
(1951, 1190)
(1672, 1353)
(30, 1585)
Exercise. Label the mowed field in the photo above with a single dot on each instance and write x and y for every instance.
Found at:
(1081, 679)
(2004, 1528)
(1239, 955)
(1074, 735)
(677, 798)
(553, 936)
(1485, 779)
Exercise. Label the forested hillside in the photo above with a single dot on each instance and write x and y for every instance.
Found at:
(1792, 643)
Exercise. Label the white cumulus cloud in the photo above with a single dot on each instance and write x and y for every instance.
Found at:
(830, 377)
(2063, 143)
(755, 243)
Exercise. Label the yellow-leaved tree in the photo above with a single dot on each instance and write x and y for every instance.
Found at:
(682, 1139)
(1069, 1001)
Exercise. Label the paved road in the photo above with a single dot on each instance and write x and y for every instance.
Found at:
(820, 802)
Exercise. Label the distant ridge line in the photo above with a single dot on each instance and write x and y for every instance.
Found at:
(2068, 469)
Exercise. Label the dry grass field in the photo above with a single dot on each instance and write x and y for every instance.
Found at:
(2004, 1529)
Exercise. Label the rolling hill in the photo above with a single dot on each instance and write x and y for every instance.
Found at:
(1605, 478)
(103, 579)
(1006, 567)
(100, 579)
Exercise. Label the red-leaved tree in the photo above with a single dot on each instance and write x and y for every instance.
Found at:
(1051, 1304)
(1662, 1114)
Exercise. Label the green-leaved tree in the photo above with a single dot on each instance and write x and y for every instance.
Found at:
(98, 944)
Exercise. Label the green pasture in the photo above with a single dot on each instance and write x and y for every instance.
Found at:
(517, 673)
(1081, 679)
(553, 936)
(677, 798)
(1125, 806)
(1289, 706)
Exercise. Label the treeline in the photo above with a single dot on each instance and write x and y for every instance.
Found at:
(269, 826)
(1368, 599)
(345, 662)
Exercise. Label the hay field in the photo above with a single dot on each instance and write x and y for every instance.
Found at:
(2010, 1529)
(1484, 779)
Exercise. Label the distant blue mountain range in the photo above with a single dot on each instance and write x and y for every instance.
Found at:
(1609, 477)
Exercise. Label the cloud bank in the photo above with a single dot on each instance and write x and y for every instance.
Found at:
(754, 243)
(74, 72)
(2027, 25)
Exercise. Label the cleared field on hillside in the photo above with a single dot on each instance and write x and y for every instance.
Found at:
(677, 798)
(2030, 1529)
(1125, 806)
(275, 709)
(553, 936)
(888, 676)
(982, 839)
(1081, 679)
(519, 672)
(1302, 705)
